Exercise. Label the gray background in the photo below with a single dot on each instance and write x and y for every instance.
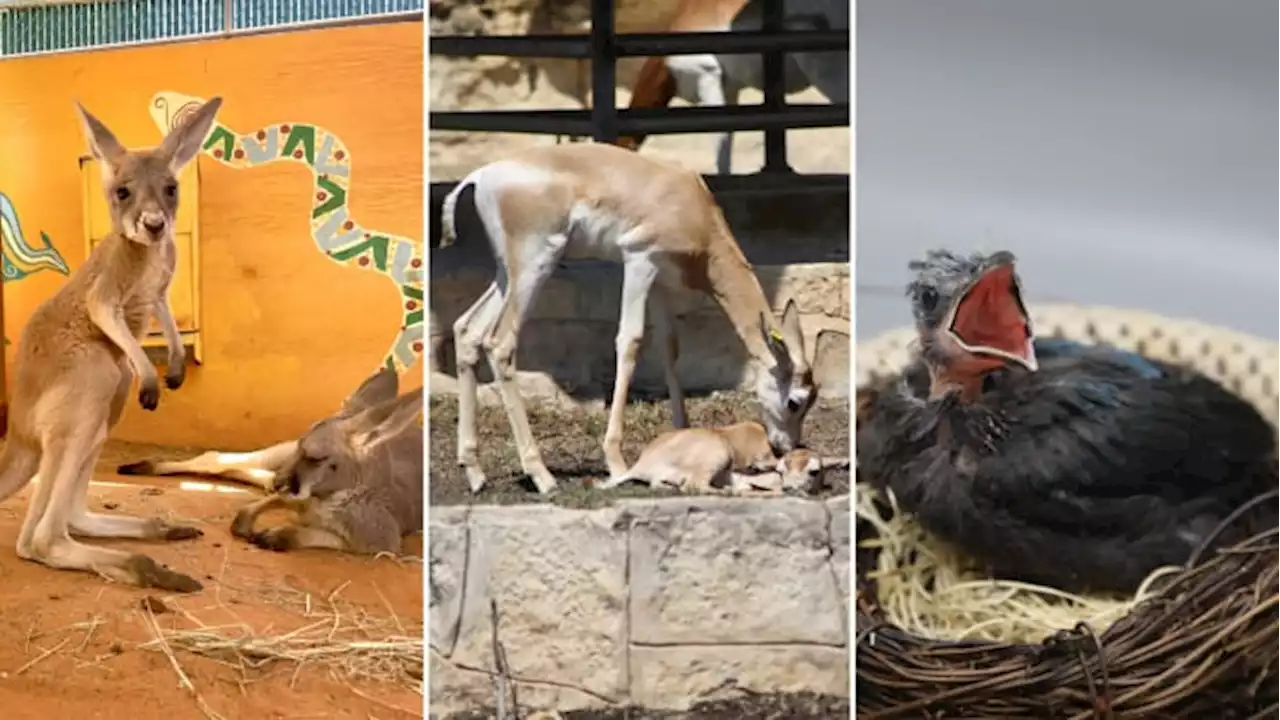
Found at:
(1125, 151)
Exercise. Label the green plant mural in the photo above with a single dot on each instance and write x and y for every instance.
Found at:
(334, 231)
(19, 258)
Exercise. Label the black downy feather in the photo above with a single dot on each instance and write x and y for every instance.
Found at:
(1084, 475)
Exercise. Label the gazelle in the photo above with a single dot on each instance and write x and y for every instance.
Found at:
(589, 201)
(735, 458)
(709, 79)
(78, 356)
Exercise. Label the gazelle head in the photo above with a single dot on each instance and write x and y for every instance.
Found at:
(786, 391)
(333, 455)
(804, 471)
(142, 185)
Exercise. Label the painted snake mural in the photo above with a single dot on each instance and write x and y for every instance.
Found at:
(18, 258)
(334, 231)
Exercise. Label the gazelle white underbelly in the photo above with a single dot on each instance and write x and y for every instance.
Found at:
(595, 234)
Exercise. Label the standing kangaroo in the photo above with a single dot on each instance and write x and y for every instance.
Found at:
(355, 478)
(79, 353)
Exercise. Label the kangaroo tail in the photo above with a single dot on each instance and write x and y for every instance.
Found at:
(18, 464)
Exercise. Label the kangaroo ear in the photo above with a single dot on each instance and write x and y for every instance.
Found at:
(182, 143)
(376, 389)
(376, 425)
(102, 142)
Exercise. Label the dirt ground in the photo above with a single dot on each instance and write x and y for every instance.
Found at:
(73, 645)
(570, 442)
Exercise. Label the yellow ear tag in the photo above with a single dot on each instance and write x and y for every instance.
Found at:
(777, 335)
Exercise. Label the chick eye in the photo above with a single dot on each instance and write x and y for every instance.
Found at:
(122, 193)
(929, 299)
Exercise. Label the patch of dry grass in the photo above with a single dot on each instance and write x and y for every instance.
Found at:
(345, 640)
(570, 441)
(745, 706)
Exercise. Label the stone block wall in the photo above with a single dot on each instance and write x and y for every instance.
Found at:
(652, 603)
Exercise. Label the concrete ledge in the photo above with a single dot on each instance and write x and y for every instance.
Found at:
(655, 603)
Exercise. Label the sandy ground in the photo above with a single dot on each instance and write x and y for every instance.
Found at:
(570, 441)
(73, 645)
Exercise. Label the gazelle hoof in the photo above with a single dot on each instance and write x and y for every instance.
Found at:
(547, 487)
(475, 480)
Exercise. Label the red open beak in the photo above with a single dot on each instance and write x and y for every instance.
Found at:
(989, 318)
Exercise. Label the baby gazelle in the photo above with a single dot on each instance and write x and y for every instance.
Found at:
(735, 459)
(79, 354)
(355, 478)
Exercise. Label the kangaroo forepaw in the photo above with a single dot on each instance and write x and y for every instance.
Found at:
(242, 526)
(278, 539)
(174, 376)
(148, 573)
(149, 394)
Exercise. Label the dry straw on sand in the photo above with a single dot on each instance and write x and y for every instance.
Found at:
(348, 641)
(928, 589)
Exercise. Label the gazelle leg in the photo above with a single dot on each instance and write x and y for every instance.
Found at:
(502, 344)
(716, 89)
(702, 78)
(469, 331)
(664, 324)
(638, 275)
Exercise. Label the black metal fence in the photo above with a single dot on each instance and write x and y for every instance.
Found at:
(604, 122)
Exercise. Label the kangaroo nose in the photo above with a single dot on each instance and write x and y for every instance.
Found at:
(154, 225)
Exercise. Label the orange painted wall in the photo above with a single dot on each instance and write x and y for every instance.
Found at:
(287, 332)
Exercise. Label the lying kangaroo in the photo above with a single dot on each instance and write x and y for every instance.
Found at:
(736, 459)
(355, 478)
(79, 353)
